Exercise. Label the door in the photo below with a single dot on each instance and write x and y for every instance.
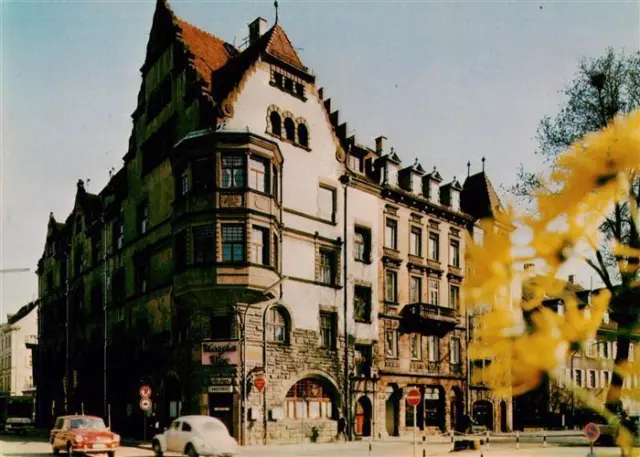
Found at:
(173, 437)
(503, 416)
(57, 429)
(392, 415)
(483, 413)
(363, 417)
(221, 407)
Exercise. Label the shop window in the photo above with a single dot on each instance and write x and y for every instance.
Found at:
(309, 399)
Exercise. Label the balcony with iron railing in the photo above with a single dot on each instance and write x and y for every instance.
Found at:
(432, 318)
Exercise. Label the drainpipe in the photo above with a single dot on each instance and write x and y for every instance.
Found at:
(245, 394)
(345, 180)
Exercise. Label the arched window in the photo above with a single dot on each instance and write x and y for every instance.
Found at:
(310, 398)
(303, 135)
(277, 325)
(290, 129)
(276, 123)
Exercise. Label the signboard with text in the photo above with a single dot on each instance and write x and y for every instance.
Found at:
(222, 356)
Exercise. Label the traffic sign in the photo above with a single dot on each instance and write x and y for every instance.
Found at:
(413, 397)
(145, 391)
(592, 431)
(145, 404)
(259, 383)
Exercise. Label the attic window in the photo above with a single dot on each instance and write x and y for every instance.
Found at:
(288, 83)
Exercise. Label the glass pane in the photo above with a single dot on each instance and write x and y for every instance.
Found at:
(314, 410)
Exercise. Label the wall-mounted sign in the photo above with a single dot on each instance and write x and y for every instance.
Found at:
(221, 381)
(222, 356)
(220, 389)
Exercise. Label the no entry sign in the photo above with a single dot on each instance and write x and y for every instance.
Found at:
(145, 391)
(259, 383)
(413, 397)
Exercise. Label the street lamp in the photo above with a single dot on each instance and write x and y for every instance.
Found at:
(243, 329)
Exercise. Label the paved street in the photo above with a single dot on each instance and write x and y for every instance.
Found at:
(38, 447)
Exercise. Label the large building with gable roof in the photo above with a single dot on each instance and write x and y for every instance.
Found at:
(246, 246)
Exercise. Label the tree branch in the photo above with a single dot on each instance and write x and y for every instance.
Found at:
(602, 271)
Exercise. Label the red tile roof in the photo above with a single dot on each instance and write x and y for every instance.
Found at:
(210, 52)
(280, 47)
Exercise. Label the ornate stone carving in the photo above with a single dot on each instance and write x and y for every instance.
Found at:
(230, 200)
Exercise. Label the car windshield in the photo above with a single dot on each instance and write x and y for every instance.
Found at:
(88, 423)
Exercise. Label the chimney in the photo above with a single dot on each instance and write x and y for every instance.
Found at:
(572, 279)
(528, 266)
(256, 29)
(380, 144)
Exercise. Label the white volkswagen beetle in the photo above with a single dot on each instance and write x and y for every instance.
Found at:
(195, 436)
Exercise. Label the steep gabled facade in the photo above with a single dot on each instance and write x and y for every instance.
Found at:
(216, 256)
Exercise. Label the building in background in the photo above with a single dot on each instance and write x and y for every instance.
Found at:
(481, 201)
(16, 362)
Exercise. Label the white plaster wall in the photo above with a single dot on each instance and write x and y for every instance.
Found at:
(363, 208)
(20, 354)
(302, 173)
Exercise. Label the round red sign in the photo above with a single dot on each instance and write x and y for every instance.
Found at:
(592, 431)
(259, 383)
(413, 397)
(145, 391)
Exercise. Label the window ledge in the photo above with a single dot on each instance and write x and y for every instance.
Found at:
(362, 321)
(364, 261)
(286, 140)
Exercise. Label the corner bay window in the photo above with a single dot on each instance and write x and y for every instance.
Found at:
(258, 175)
(309, 398)
(260, 246)
(232, 243)
(232, 172)
(203, 245)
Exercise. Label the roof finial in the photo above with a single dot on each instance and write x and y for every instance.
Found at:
(276, 6)
(483, 161)
(468, 168)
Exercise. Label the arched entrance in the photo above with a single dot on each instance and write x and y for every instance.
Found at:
(363, 416)
(434, 407)
(456, 408)
(503, 416)
(483, 413)
(392, 411)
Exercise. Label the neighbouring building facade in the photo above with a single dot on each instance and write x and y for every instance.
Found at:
(16, 363)
(253, 262)
(552, 405)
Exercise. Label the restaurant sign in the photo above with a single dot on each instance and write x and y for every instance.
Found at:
(222, 356)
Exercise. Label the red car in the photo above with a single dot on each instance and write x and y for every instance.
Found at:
(83, 435)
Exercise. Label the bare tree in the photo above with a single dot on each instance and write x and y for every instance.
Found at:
(601, 88)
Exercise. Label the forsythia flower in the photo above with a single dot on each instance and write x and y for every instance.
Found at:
(579, 325)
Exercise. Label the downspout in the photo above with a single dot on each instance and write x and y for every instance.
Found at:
(345, 179)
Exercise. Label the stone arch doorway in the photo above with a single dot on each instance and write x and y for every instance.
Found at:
(363, 416)
(483, 413)
(434, 407)
(503, 416)
(456, 408)
(392, 411)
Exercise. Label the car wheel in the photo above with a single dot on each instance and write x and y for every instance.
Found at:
(69, 449)
(191, 451)
(111, 453)
(157, 449)
(55, 450)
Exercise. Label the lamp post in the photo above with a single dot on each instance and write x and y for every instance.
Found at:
(243, 329)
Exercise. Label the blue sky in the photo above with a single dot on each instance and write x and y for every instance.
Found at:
(446, 82)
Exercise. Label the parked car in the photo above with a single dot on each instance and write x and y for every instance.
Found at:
(81, 434)
(609, 432)
(196, 436)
